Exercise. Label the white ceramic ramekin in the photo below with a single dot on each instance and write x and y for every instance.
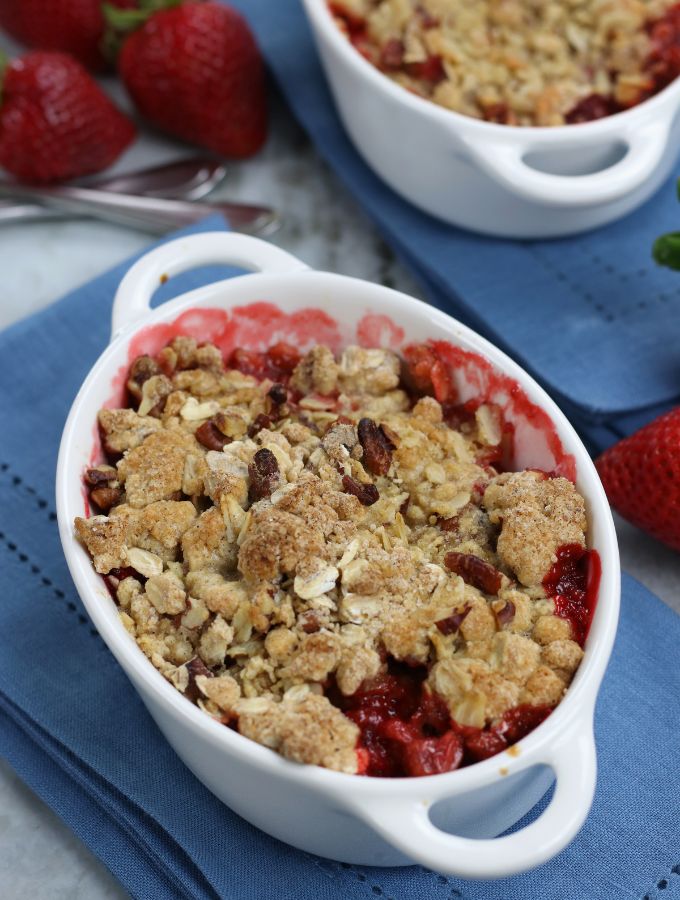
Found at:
(498, 179)
(350, 818)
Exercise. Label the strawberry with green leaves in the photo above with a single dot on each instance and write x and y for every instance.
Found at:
(56, 123)
(69, 26)
(641, 475)
(193, 70)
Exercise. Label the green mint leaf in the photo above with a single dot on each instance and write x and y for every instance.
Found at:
(666, 250)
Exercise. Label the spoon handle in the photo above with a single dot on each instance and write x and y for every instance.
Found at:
(191, 178)
(14, 213)
(151, 214)
(184, 179)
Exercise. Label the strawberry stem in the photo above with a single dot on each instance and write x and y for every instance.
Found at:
(152, 6)
(122, 22)
(4, 62)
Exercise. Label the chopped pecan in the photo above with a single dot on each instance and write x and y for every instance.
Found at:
(309, 622)
(101, 475)
(105, 497)
(142, 368)
(105, 491)
(391, 436)
(195, 667)
(277, 393)
(264, 475)
(367, 494)
(232, 422)
(505, 614)
(475, 571)
(453, 622)
(377, 447)
(261, 421)
(210, 436)
(341, 420)
(449, 525)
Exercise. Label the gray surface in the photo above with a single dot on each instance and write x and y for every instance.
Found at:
(39, 857)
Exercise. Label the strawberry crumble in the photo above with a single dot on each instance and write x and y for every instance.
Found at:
(331, 556)
(520, 62)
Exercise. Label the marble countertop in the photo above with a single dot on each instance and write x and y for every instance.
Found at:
(39, 856)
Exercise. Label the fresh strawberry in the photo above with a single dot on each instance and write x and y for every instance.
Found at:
(55, 121)
(71, 26)
(641, 475)
(195, 72)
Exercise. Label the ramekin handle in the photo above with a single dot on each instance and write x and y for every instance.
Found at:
(133, 297)
(506, 164)
(406, 824)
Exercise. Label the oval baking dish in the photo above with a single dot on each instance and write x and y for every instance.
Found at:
(503, 180)
(447, 822)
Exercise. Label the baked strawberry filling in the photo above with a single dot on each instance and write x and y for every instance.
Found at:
(407, 730)
(573, 583)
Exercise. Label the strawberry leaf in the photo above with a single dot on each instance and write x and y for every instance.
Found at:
(122, 22)
(4, 62)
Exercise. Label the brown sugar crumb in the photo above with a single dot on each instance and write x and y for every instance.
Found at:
(309, 730)
(277, 548)
(368, 370)
(537, 515)
(315, 658)
(153, 470)
(104, 539)
(205, 544)
(275, 543)
(317, 372)
(124, 429)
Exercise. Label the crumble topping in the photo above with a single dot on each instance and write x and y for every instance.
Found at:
(276, 546)
(520, 62)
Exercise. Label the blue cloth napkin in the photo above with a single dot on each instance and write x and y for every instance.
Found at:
(592, 317)
(76, 732)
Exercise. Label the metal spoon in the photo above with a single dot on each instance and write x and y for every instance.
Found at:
(186, 179)
(151, 214)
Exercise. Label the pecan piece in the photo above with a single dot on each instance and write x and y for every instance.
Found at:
(377, 447)
(391, 436)
(453, 622)
(141, 370)
(261, 421)
(210, 436)
(505, 614)
(309, 622)
(195, 667)
(105, 497)
(100, 475)
(105, 491)
(264, 475)
(474, 571)
(367, 494)
(277, 393)
(449, 525)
